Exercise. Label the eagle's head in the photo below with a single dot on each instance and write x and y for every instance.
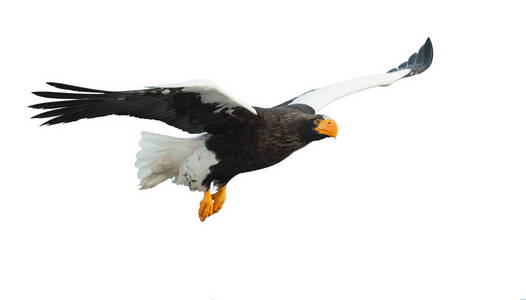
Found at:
(319, 127)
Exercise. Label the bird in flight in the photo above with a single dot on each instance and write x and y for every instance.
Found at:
(234, 136)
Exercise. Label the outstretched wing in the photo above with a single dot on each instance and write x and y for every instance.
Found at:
(319, 98)
(195, 106)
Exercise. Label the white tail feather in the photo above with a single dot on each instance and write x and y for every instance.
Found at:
(161, 156)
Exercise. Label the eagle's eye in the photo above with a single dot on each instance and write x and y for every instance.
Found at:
(316, 122)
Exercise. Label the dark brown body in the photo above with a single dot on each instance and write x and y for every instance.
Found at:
(269, 139)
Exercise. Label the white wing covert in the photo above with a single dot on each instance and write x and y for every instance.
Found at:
(319, 98)
(209, 93)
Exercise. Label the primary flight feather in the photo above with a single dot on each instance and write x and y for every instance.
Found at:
(235, 137)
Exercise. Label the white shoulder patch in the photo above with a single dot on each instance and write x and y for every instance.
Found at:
(317, 99)
(210, 93)
(417, 63)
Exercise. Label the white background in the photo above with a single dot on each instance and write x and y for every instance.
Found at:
(421, 196)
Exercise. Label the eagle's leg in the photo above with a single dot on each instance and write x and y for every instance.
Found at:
(206, 207)
(219, 198)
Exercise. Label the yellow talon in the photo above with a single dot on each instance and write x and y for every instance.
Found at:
(211, 203)
(206, 207)
(219, 199)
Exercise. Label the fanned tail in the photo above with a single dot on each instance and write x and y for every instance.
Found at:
(161, 156)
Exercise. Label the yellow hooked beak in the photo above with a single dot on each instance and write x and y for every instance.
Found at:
(327, 127)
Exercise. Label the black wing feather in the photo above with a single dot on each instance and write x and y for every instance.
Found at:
(418, 62)
(173, 106)
(59, 104)
(60, 95)
(68, 87)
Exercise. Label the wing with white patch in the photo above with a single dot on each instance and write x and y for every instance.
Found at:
(319, 98)
(195, 106)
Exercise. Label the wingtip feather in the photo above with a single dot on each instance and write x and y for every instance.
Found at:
(418, 62)
(75, 88)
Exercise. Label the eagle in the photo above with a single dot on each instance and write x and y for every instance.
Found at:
(234, 137)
